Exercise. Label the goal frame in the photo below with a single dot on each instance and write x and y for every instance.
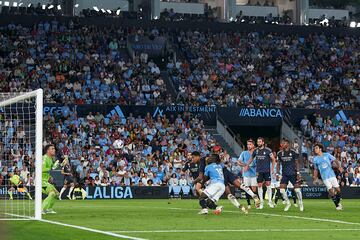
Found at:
(38, 94)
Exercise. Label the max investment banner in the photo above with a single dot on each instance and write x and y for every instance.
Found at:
(206, 113)
(236, 116)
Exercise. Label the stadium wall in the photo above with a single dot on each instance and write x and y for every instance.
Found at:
(185, 25)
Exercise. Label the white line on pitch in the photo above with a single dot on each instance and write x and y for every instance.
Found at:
(285, 216)
(14, 219)
(251, 213)
(81, 228)
(92, 230)
(307, 218)
(236, 230)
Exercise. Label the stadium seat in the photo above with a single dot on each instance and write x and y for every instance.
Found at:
(176, 191)
(185, 190)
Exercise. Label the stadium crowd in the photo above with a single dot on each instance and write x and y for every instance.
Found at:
(112, 151)
(131, 151)
(266, 70)
(341, 138)
(78, 65)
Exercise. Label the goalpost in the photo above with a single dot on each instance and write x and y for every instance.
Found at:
(21, 134)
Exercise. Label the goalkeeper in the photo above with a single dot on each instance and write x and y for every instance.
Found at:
(47, 187)
(17, 184)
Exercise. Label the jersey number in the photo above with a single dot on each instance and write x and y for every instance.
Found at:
(221, 174)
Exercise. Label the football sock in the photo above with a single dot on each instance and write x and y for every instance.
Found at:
(233, 200)
(298, 195)
(269, 193)
(261, 194)
(248, 199)
(284, 195)
(62, 191)
(293, 194)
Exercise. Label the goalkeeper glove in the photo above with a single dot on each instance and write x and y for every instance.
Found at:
(56, 164)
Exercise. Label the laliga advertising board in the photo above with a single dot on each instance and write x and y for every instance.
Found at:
(119, 192)
(101, 192)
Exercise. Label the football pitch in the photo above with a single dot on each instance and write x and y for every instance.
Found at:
(178, 219)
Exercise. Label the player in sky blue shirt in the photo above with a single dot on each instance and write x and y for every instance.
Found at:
(245, 157)
(215, 173)
(210, 196)
(323, 164)
(249, 175)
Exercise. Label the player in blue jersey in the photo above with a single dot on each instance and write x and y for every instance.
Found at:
(231, 180)
(249, 176)
(265, 161)
(323, 164)
(216, 188)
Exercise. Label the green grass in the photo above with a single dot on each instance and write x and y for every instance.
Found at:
(124, 216)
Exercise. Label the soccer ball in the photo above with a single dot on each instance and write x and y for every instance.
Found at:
(118, 144)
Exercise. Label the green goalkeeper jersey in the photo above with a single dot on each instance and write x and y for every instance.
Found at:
(46, 167)
(15, 179)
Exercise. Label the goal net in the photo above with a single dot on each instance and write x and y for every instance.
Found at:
(21, 154)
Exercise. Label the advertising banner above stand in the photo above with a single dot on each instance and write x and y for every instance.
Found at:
(236, 116)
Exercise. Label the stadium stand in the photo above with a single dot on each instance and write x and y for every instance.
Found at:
(76, 64)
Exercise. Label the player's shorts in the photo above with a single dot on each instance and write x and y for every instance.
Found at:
(275, 184)
(288, 178)
(229, 177)
(250, 181)
(48, 187)
(263, 176)
(68, 180)
(214, 191)
(18, 187)
(331, 183)
(207, 183)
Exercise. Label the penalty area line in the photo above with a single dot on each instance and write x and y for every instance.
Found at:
(80, 228)
(250, 213)
(237, 230)
(285, 216)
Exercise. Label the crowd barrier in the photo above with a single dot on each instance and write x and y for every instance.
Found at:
(156, 192)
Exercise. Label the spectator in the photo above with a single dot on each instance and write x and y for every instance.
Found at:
(173, 180)
(183, 181)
